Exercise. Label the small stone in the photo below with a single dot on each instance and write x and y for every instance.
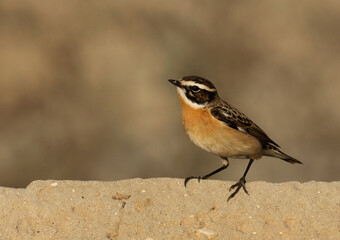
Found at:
(54, 184)
(207, 232)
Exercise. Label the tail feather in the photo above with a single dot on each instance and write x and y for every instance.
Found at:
(273, 151)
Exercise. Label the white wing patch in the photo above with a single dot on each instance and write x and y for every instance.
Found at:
(241, 129)
(226, 114)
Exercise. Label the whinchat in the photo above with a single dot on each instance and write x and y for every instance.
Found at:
(217, 127)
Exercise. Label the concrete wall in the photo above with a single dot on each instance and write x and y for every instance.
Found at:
(163, 209)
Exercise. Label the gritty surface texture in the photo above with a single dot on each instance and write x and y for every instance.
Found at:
(163, 209)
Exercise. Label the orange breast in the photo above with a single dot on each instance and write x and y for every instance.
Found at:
(215, 136)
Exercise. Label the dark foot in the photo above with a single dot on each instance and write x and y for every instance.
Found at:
(239, 184)
(192, 177)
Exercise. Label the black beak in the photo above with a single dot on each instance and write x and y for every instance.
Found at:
(175, 82)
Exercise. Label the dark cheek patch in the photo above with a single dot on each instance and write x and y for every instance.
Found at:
(200, 97)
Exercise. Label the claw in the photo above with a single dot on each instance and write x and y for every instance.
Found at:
(239, 184)
(244, 189)
(191, 177)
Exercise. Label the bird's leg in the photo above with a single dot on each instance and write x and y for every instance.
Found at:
(241, 182)
(225, 163)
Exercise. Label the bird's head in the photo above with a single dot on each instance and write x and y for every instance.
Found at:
(195, 91)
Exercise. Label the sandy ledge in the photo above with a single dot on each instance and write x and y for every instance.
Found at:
(163, 209)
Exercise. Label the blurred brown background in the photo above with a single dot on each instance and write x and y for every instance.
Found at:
(84, 91)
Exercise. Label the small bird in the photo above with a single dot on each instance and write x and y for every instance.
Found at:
(219, 128)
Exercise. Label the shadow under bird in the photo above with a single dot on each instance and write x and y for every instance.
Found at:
(219, 128)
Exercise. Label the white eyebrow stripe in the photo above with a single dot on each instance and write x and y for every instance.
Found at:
(201, 86)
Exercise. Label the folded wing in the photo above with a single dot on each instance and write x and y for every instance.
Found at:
(239, 121)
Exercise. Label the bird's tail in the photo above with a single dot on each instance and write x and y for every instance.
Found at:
(273, 151)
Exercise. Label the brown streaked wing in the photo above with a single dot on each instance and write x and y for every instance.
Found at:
(239, 121)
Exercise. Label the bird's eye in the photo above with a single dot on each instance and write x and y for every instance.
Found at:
(195, 89)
